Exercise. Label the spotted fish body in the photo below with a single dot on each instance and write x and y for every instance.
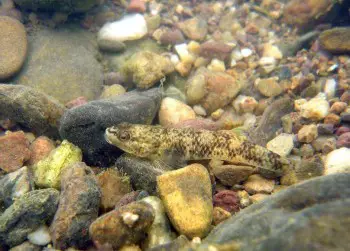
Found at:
(157, 142)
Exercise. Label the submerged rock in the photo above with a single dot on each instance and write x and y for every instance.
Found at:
(336, 39)
(57, 5)
(85, 125)
(313, 214)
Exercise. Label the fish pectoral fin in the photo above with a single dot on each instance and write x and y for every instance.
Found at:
(174, 159)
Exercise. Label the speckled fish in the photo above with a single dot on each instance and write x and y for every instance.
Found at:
(160, 143)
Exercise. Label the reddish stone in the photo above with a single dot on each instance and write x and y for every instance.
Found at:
(14, 151)
(341, 130)
(344, 140)
(40, 149)
(213, 49)
(137, 6)
(76, 102)
(127, 199)
(345, 97)
(227, 200)
(172, 37)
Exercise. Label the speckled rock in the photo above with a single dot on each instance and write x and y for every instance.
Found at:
(336, 39)
(40, 149)
(78, 207)
(173, 111)
(186, 194)
(194, 28)
(57, 5)
(258, 184)
(62, 63)
(26, 214)
(113, 187)
(85, 125)
(14, 151)
(13, 46)
(126, 225)
(146, 68)
(47, 172)
(282, 144)
(14, 185)
(318, 202)
(31, 108)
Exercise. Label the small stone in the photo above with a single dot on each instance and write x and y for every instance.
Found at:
(76, 102)
(230, 175)
(40, 149)
(217, 65)
(125, 225)
(217, 114)
(194, 28)
(186, 57)
(130, 27)
(338, 161)
(109, 45)
(344, 140)
(172, 37)
(345, 97)
(26, 246)
(41, 236)
(267, 64)
(330, 88)
(268, 87)
(186, 194)
(196, 90)
(332, 119)
(308, 133)
(146, 68)
(315, 109)
(112, 91)
(184, 69)
(244, 198)
(345, 116)
(257, 184)
(137, 6)
(13, 46)
(14, 185)
(173, 111)
(298, 103)
(14, 151)
(255, 198)
(246, 52)
(199, 110)
(215, 49)
(273, 51)
(245, 104)
(47, 172)
(113, 187)
(129, 197)
(227, 200)
(336, 39)
(325, 129)
(219, 215)
(306, 151)
(341, 130)
(282, 144)
(338, 107)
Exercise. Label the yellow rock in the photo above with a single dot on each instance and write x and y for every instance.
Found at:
(47, 172)
(187, 197)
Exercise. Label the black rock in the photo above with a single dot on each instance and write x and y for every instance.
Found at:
(85, 125)
(312, 215)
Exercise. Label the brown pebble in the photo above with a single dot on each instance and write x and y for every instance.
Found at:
(332, 119)
(40, 149)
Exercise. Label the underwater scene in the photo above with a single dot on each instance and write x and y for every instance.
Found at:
(181, 125)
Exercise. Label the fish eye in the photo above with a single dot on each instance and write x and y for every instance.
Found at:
(124, 135)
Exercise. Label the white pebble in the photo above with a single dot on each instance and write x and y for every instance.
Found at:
(316, 109)
(246, 52)
(236, 55)
(330, 87)
(199, 110)
(184, 54)
(130, 218)
(40, 236)
(338, 161)
(282, 144)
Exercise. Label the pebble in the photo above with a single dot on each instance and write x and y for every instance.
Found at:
(215, 49)
(345, 116)
(78, 207)
(341, 130)
(130, 27)
(307, 133)
(14, 185)
(336, 39)
(338, 161)
(194, 28)
(332, 119)
(244, 198)
(172, 37)
(146, 68)
(137, 6)
(26, 214)
(41, 236)
(173, 111)
(108, 45)
(282, 144)
(257, 184)
(125, 225)
(338, 107)
(113, 187)
(186, 194)
(246, 52)
(268, 64)
(268, 87)
(216, 65)
(227, 200)
(345, 97)
(316, 108)
(325, 129)
(186, 57)
(47, 172)
(112, 91)
(13, 46)
(255, 198)
(344, 140)
(14, 151)
(230, 175)
(330, 88)
(273, 51)
(40, 149)
(245, 104)
(220, 215)
(199, 110)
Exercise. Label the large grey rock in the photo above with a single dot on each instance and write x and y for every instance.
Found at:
(26, 214)
(62, 63)
(31, 109)
(57, 5)
(312, 215)
(85, 125)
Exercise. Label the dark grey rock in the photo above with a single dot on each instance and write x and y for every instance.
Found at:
(26, 246)
(142, 172)
(26, 214)
(14, 185)
(31, 109)
(325, 129)
(345, 117)
(78, 207)
(85, 125)
(312, 215)
(270, 121)
(57, 5)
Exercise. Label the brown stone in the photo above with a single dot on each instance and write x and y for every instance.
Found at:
(336, 39)
(194, 28)
(137, 6)
(214, 49)
(230, 175)
(332, 119)
(40, 149)
(257, 184)
(172, 37)
(14, 151)
(338, 107)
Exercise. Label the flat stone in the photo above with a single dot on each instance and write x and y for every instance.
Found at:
(336, 39)
(230, 175)
(296, 212)
(78, 207)
(258, 184)
(186, 194)
(85, 125)
(282, 144)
